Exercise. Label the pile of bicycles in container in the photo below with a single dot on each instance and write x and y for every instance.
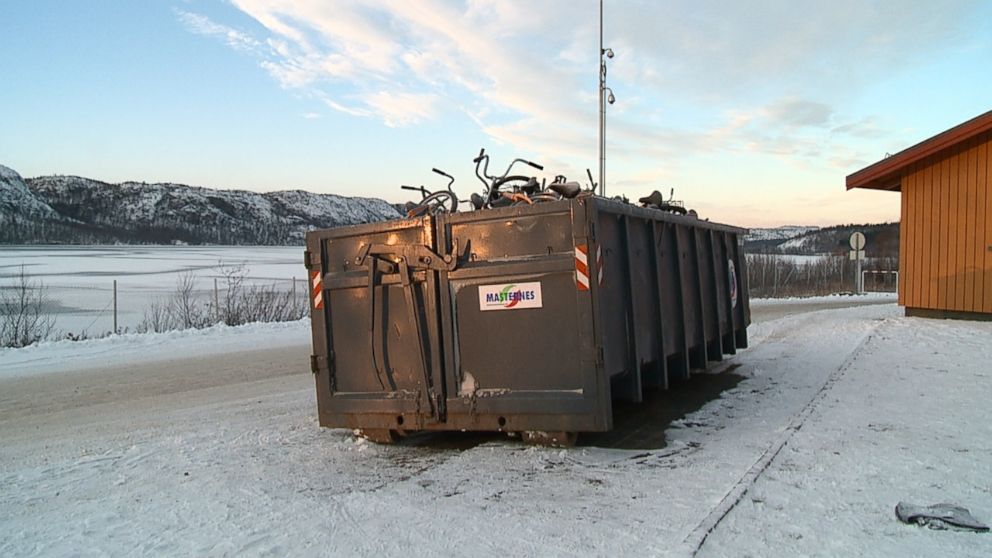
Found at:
(517, 189)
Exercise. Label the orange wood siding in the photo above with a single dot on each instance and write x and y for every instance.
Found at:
(907, 245)
(969, 238)
(940, 251)
(985, 186)
(945, 246)
(925, 234)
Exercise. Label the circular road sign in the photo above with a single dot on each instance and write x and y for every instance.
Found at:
(858, 241)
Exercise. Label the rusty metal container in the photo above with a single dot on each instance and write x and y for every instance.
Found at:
(526, 318)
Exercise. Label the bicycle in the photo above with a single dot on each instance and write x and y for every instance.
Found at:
(657, 201)
(505, 189)
(432, 203)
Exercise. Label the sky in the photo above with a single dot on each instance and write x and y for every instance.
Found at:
(754, 112)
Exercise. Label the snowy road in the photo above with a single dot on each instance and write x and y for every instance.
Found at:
(840, 414)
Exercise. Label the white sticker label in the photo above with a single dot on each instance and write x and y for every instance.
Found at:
(510, 296)
(733, 282)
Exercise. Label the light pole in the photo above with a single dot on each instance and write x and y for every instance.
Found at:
(603, 99)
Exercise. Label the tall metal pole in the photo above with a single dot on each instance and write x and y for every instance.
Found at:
(602, 108)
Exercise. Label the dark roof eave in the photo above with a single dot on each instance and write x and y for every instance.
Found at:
(888, 183)
(887, 173)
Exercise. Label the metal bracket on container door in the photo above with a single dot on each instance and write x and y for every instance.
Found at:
(405, 259)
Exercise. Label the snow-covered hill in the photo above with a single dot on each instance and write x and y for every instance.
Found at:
(778, 233)
(77, 209)
(16, 199)
(768, 240)
(883, 239)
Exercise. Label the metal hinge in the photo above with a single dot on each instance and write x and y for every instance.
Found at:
(311, 260)
(592, 231)
(317, 361)
(600, 356)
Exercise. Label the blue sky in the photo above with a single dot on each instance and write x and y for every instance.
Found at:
(753, 111)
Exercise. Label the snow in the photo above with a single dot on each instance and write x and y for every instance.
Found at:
(80, 279)
(778, 233)
(797, 259)
(905, 419)
(138, 348)
(139, 204)
(825, 299)
(91, 210)
(840, 414)
(798, 243)
(17, 199)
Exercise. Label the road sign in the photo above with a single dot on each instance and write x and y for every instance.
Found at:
(857, 254)
(858, 241)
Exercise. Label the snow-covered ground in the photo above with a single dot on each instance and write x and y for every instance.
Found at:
(840, 414)
(80, 279)
(139, 348)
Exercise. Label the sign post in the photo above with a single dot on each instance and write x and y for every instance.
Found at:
(857, 254)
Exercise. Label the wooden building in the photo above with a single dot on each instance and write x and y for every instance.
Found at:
(945, 237)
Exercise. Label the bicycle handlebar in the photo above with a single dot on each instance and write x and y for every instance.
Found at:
(515, 161)
(492, 183)
(451, 179)
(424, 192)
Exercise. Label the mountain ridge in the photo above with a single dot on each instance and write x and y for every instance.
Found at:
(76, 210)
(882, 239)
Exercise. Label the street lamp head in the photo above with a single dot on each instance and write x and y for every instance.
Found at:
(611, 99)
(608, 52)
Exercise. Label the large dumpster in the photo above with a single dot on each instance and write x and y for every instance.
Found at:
(522, 319)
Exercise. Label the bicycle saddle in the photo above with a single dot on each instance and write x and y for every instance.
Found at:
(565, 189)
(478, 202)
(655, 199)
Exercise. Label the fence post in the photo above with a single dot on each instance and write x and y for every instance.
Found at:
(115, 306)
(775, 279)
(858, 277)
(216, 302)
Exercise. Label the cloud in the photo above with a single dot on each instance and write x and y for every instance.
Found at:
(402, 109)
(722, 50)
(691, 78)
(794, 111)
(863, 128)
(201, 25)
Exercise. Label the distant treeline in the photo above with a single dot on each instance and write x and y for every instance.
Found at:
(17, 231)
(882, 241)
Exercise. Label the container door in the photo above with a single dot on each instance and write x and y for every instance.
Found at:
(521, 348)
(380, 309)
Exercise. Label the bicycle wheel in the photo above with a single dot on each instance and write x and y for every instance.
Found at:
(442, 201)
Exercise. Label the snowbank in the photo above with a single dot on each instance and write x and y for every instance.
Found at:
(133, 348)
(826, 299)
(838, 415)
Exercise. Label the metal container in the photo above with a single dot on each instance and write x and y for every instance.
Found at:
(524, 319)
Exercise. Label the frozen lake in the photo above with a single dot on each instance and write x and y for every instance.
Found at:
(80, 279)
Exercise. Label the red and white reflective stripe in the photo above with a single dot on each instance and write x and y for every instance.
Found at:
(582, 266)
(599, 264)
(317, 289)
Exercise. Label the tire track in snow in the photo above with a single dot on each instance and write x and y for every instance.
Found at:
(697, 538)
